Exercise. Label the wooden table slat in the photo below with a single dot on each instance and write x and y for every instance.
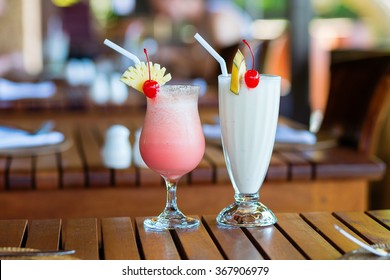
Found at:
(324, 222)
(299, 168)
(72, 167)
(98, 174)
(306, 238)
(215, 155)
(156, 245)
(296, 236)
(382, 216)
(3, 164)
(12, 232)
(47, 172)
(44, 234)
(278, 169)
(365, 225)
(148, 177)
(203, 173)
(275, 244)
(197, 244)
(233, 241)
(340, 162)
(81, 235)
(21, 173)
(118, 239)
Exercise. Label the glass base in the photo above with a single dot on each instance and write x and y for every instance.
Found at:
(176, 220)
(247, 211)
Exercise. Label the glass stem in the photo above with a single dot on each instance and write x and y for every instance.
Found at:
(171, 205)
(245, 198)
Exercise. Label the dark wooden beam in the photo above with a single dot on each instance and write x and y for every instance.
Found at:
(299, 14)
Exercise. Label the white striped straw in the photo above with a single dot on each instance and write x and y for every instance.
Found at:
(122, 51)
(219, 58)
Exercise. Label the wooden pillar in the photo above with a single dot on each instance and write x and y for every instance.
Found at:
(299, 14)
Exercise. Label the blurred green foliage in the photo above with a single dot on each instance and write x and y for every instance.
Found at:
(264, 8)
(338, 11)
(278, 9)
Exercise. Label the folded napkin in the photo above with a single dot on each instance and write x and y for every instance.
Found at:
(12, 91)
(11, 138)
(284, 134)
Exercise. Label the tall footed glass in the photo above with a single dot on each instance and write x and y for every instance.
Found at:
(172, 144)
(248, 124)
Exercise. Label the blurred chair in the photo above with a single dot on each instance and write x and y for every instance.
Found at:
(358, 110)
(359, 97)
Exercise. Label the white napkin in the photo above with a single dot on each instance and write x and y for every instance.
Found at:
(13, 91)
(212, 131)
(16, 138)
(284, 134)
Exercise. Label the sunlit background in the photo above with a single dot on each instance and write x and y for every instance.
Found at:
(51, 38)
(46, 33)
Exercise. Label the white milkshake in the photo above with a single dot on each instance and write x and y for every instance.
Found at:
(248, 125)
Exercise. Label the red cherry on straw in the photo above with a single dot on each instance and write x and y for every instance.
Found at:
(252, 77)
(150, 87)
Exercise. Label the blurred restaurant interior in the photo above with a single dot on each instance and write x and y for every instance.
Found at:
(46, 43)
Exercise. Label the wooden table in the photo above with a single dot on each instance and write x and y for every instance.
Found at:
(297, 236)
(41, 186)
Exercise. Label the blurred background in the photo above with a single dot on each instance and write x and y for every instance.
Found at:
(62, 41)
(43, 39)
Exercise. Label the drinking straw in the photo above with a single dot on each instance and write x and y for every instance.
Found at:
(219, 58)
(122, 51)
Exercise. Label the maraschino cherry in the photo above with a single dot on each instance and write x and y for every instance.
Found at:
(252, 77)
(150, 87)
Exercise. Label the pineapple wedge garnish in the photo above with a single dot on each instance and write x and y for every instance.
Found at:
(136, 75)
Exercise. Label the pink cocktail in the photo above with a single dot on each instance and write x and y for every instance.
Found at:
(172, 144)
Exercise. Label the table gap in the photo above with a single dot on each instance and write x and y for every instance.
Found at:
(137, 176)
(25, 235)
(377, 220)
(61, 238)
(8, 161)
(215, 240)
(33, 172)
(60, 170)
(100, 240)
(256, 244)
(352, 228)
(293, 243)
(179, 246)
(138, 242)
(322, 234)
(313, 165)
(288, 163)
(79, 146)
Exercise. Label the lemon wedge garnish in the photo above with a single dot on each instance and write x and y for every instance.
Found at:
(136, 75)
(238, 71)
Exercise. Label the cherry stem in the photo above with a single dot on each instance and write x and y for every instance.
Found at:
(147, 59)
(253, 56)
